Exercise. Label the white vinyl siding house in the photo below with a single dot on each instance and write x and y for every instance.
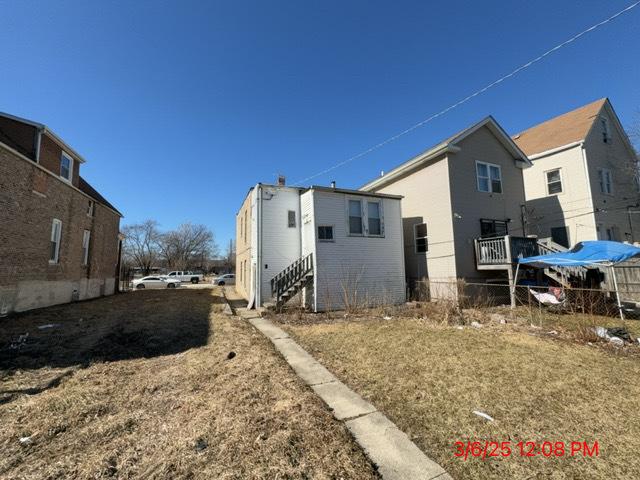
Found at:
(343, 231)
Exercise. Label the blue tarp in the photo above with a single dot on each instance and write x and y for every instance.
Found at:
(598, 252)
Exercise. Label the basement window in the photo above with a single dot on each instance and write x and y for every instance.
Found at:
(325, 233)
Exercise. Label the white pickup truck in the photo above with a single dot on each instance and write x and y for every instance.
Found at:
(185, 276)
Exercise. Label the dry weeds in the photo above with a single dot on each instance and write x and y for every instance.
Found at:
(428, 377)
(140, 386)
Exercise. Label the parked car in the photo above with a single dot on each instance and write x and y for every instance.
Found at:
(155, 282)
(185, 276)
(228, 279)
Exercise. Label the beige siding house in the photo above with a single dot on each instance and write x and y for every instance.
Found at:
(467, 187)
(583, 184)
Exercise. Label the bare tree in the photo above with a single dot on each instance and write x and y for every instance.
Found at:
(230, 256)
(188, 246)
(140, 247)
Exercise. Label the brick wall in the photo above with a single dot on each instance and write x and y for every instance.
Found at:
(29, 200)
(50, 155)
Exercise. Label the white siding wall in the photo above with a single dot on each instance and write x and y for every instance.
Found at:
(308, 228)
(373, 266)
(571, 208)
(280, 244)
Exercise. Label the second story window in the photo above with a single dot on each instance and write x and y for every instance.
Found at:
(493, 228)
(554, 182)
(355, 217)
(90, 208)
(606, 183)
(291, 219)
(66, 167)
(489, 177)
(421, 239)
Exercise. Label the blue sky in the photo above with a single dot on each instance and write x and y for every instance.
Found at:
(180, 106)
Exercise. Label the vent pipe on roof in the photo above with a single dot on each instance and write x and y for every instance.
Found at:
(282, 180)
(333, 184)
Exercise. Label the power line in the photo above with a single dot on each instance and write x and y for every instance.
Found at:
(469, 97)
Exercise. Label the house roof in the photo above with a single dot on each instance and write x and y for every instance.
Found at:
(562, 130)
(353, 192)
(48, 131)
(449, 145)
(93, 193)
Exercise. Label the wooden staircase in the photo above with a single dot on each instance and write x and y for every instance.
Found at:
(291, 280)
(559, 274)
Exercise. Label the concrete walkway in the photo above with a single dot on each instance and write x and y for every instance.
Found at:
(395, 455)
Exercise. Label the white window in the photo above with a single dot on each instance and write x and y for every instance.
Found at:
(355, 217)
(54, 245)
(325, 233)
(66, 167)
(489, 177)
(554, 182)
(421, 238)
(86, 236)
(90, 208)
(291, 218)
(604, 128)
(606, 183)
(374, 219)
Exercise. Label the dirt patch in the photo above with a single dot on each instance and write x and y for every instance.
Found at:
(142, 385)
(429, 377)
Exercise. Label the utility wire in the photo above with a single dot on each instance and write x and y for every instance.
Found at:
(469, 97)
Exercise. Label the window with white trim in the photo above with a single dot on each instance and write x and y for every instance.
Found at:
(355, 217)
(421, 238)
(86, 236)
(66, 166)
(325, 233)
(291, 218)
(54, 244)
(606, 183)
(489, 177)
(554, 182)
(90, 208)
(374, 219)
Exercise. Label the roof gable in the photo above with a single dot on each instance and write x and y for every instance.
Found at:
(449, 145)
(570, 127)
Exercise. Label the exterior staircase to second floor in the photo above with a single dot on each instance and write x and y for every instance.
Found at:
(286, 284)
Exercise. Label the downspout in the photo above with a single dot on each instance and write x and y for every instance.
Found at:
(259, 249)
(38, 143)
(590, 197)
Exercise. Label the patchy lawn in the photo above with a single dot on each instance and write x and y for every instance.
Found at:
(430, 377)
(140, 385)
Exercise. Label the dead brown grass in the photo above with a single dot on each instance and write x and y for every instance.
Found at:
(428, 377)
(142, 387)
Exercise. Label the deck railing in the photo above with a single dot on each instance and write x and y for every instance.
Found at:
(504, 250)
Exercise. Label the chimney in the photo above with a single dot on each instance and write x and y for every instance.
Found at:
(333, 184)
(282, 180)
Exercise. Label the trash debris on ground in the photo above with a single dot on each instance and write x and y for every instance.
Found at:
(601, 332)
(617, 341)
(231, 355)
(498, 318)
(553, 332)
(475, 324)
(48, 325)
(483, 415)
(386, 317)
(17, 344)
(460, 327)
(26, 440)
(201, 444)
(620, 332)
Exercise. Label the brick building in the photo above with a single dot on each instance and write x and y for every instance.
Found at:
(59, 238)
